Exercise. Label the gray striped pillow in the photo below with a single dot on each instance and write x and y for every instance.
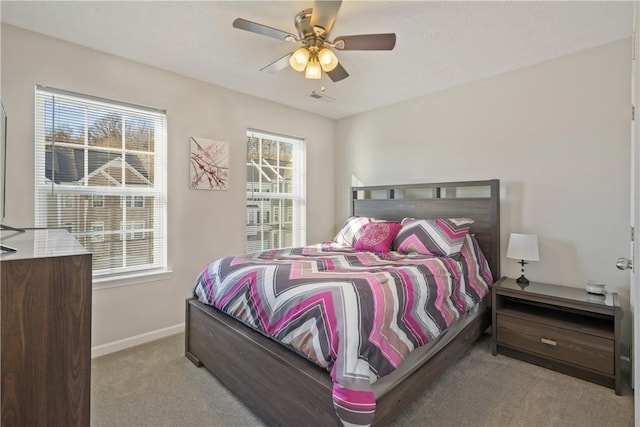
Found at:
(351, 230)
(439, 236)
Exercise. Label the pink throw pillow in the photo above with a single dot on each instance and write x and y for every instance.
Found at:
(377, 236)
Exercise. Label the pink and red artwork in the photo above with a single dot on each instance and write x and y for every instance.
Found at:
(209, 164)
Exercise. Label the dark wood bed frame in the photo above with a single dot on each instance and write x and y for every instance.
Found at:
(284, 389)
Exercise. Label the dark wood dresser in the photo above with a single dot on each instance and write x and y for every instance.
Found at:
(559, 327)
(45, 341)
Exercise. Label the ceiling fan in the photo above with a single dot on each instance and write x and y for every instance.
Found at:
(315, 55)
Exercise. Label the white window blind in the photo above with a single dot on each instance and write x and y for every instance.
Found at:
(100, 172)
(276, 191)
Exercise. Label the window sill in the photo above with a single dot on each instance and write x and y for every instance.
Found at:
(131, 279)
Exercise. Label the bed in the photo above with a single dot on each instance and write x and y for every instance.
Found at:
(284, 388)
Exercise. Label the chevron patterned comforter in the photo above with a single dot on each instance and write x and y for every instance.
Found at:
(357, 314)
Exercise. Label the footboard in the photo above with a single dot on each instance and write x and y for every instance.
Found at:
(279, 386)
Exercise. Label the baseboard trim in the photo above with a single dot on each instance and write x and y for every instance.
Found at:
(112, 347)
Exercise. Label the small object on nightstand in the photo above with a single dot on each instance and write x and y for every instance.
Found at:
(525, 248)
(595, 287)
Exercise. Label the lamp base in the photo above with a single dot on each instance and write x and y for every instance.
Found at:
(522, 280)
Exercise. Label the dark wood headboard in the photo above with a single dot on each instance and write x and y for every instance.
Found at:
(478, 200)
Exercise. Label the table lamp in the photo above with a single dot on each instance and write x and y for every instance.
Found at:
(525, 248)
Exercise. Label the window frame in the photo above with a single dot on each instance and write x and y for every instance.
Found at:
(270, 191)
(157, 189)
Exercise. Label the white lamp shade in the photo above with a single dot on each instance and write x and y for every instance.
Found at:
(298, 59)
(523, 247)
(313, 70)
(328, 60)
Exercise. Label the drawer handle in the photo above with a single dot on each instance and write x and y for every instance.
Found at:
(548, 341)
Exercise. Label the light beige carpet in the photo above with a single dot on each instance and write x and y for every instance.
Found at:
(155, 385)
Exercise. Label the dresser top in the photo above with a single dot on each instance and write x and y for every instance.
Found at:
(559, 292)
(40, 244)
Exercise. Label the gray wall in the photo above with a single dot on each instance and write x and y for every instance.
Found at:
(203, 225)
(556, 134)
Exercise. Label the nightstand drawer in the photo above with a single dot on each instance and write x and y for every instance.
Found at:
(566, 345)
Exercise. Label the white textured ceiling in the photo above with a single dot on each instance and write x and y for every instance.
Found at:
(439, 44)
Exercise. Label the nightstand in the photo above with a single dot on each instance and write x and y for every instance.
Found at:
(560, 328)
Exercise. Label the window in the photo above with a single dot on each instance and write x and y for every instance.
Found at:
(101, 172)
(275, 184)
(97, 229)
(97, 201)
(68, 202)
(133, 202)
(133, 229)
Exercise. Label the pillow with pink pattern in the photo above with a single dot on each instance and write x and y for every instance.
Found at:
(377, 236)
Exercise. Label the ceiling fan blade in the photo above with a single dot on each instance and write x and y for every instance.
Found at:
(277, 65)
(254, 27)
(338, 73)
(323, 16)
(385, 41)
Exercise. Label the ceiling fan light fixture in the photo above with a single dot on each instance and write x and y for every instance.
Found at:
(327, 59)
(316, 54)
(313, 70)
(299, 59)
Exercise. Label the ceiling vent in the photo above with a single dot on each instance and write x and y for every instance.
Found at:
(321, 96)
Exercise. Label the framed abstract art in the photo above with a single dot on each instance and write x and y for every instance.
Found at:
(209, 164)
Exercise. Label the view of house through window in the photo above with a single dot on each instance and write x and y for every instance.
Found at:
(275, 191)
(101, 173)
